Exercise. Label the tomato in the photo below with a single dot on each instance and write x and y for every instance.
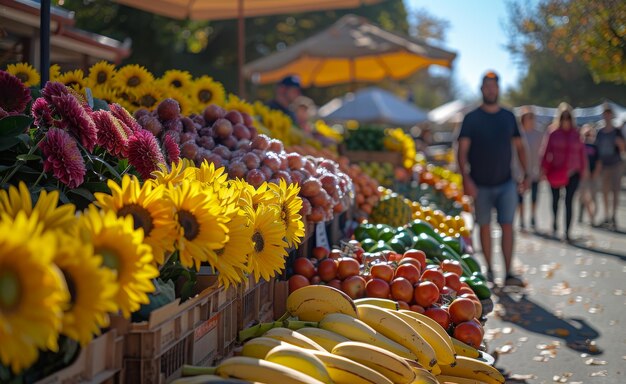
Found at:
(417, 308)
(478, 306)
(452, 280)
(435, 276)
(382, 271)
(403, 305)
(426, 293)
(304, 267)
(479, 325)
(409, 272)
(347, 267)
(327, 269)
(401, 289)
(320, 253)
(465, 289)
(416, 254)
(297, 281)
(354, 286)
(440, 315)
(335, 283)
(452, 266)
(412, 261)
(469, 333)
(461, 310)
(377, 288)
(446, 291)
(315, 280)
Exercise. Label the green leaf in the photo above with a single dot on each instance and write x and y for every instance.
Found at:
(8, 142)
(12, 126)
(82, 192)
(28, 157)
(95, 186)
(100, 105)
(107, 165)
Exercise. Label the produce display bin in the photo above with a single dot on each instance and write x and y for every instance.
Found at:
(395, 158)
(98, 362)
(255, 302)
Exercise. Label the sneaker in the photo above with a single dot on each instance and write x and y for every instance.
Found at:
(514, 281)
(490, 276)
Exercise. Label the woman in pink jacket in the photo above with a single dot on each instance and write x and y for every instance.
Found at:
(564, 163)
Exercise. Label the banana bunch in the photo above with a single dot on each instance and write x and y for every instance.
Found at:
(337, 340)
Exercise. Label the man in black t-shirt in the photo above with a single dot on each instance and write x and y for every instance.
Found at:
(287, 91)
(484, 159)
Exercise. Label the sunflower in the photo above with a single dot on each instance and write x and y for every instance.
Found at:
(92, 289)
(50, 215)
(32, 292)
(209, 175)
(237, 104)
(290, 206)
(264, 195)
(25, 72)
(147, 96)
(55, 72)
(176, 79)
(206, 91)
(232, 258)
(130, 77)
(183, 170)
(122, 250)
(201, 227)
(183, 100)
(73, 79)
(100, 74)
(268, 236)
(149, 209)
(105, 93)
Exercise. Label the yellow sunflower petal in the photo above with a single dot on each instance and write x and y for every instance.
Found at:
(25, 72)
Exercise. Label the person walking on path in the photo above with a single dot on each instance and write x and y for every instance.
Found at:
(484, 157)
(610, 144)
(588, 187)
(564, 163)
(533, 140)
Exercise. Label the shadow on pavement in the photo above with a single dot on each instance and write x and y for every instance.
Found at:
(519, 310)
(586, 244)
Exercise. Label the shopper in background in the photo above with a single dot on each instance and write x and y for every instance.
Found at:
(286, 92)
(610, 144)
(589, 186)
(564, 163)
(484, 160)
(532, 139)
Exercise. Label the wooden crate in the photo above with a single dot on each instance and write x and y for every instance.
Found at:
(99, 362)
(254, 300)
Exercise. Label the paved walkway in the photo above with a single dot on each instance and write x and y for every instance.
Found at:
(568, 325)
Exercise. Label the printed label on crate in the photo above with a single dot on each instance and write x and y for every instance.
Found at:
(206, 327)
(321, 239)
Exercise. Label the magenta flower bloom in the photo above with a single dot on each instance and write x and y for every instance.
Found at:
(73, 118)
(62, 158)
(130, 124)
(111, 134)
(42, 113)
(14, 96)
(52, 89)
(144, 153)
(172, 152)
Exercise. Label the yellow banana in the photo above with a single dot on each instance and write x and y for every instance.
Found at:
(383, 303)
(398, 330)
(356, 330)
(422, 376)
(300, 359)
(473, 369)
(251, 369)
(293, 337)
(443, 351)
(432, 323)
(260, 346)
(463, 349)
(445, 379)
(313, 302)
(346, 371)
(208, 379)
(326, 339)
(394, 367)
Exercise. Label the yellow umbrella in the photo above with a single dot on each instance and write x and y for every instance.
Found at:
(351, 50)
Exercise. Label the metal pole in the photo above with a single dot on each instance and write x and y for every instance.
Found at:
(241, 50)
(44, 41)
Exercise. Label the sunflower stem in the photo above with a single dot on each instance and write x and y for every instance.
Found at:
(39, 178)
(194, 370)
(284, 317)
(19, 163)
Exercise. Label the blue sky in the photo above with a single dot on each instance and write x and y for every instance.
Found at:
(477, 34)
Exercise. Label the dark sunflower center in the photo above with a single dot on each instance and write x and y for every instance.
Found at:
(71, 286)
(72, 83)
(110, 259)
(205, 95)
(189, 223)
(177, 83)
(102, 77)
(10, 290)
(259, 242)
(141, 217)
(23, 76)
(133, 81)
(147, 100)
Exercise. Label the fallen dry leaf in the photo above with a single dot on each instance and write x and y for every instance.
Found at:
(523, 339)
(507, 330)
(602, 373)
(507, 348)
(593, 361)
(541, 359)
(618, 292)
(561, 289)
(519, 377)
(562, 378)
(562, 332)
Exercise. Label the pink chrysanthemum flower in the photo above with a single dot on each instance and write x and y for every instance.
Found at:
(42, 113)
(172, 152)
(122, 114)
(62, 158)
(3, 113)
(111, 134)
(14, 96)
(52, 89)
(75, 119)
(144, 153)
